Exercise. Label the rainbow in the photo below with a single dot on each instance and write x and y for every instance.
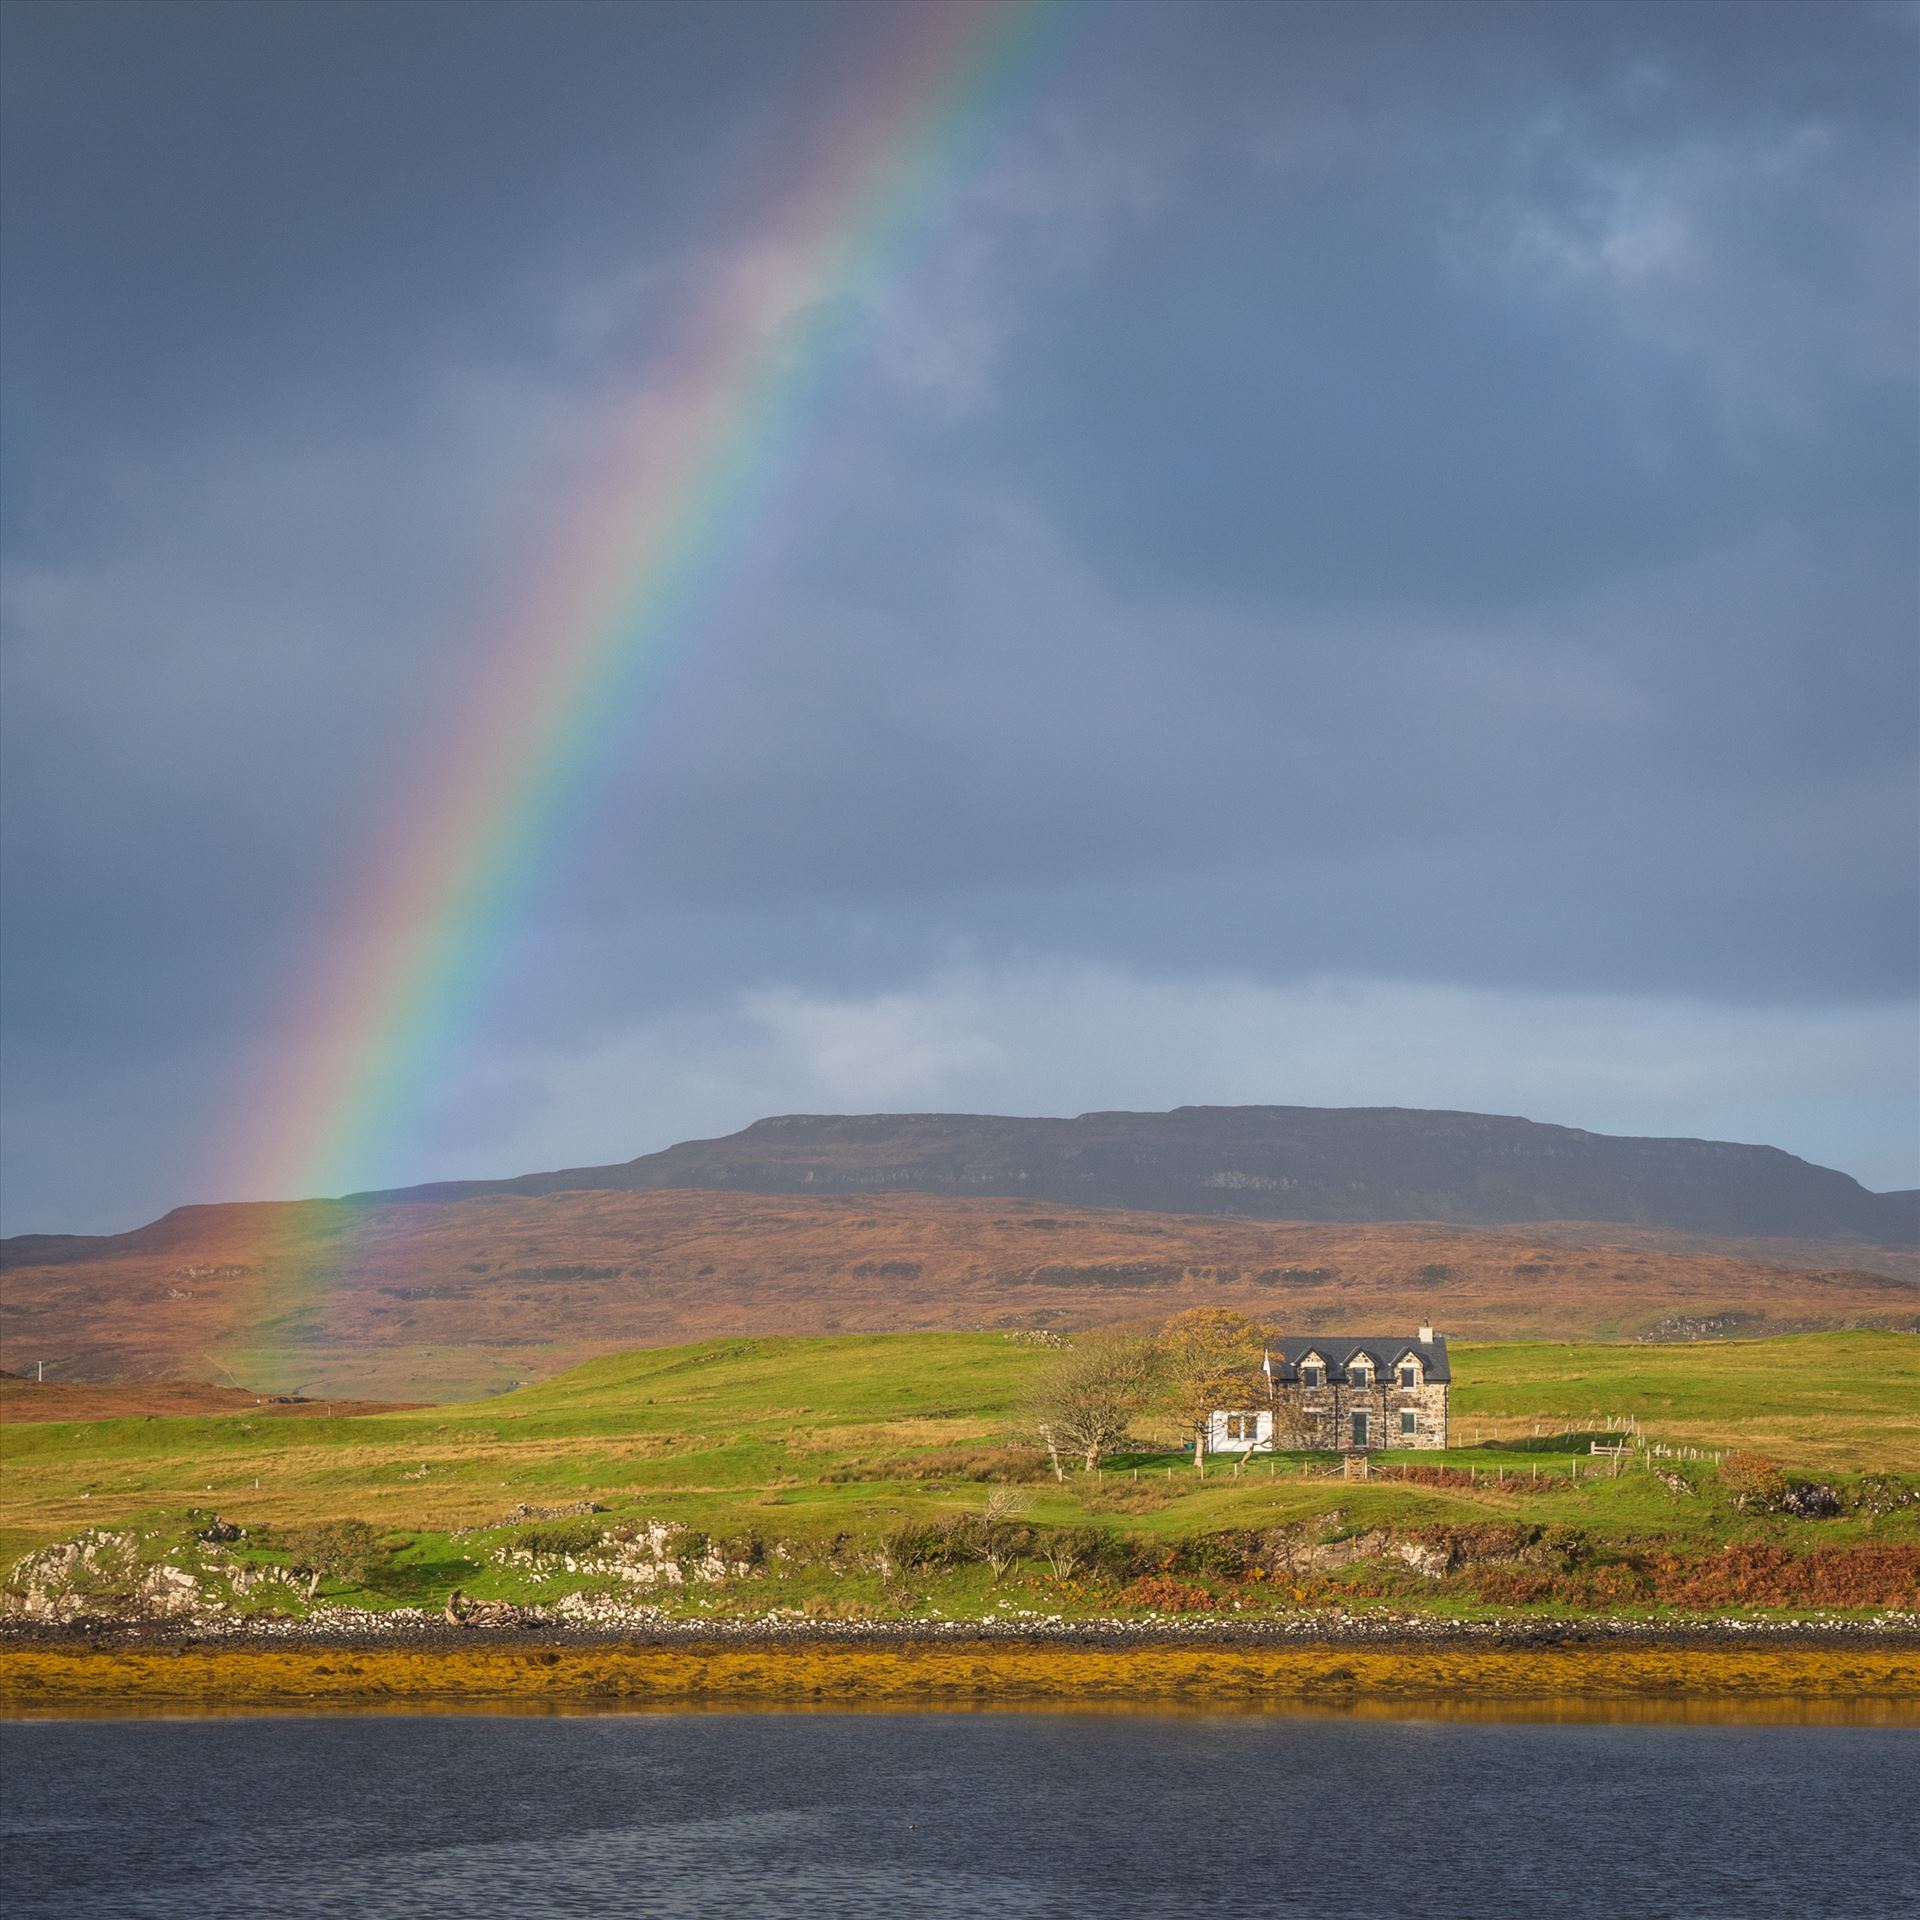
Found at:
(721, 418)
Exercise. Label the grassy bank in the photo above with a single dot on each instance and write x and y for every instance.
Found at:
(853, 1475)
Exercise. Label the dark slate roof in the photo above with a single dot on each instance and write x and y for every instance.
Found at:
(1338, 1350)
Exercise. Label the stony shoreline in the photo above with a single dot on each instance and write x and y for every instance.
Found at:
(340, 1628)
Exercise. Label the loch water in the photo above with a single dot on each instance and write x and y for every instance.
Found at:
(920, 1816)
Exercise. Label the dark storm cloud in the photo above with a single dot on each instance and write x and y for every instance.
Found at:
(1390, 494)
(305, 205)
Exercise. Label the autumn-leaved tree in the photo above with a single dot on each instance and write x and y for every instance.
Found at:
(1086, 1396)
(1209, 1357)
(336, 1549)
(1295, 1426)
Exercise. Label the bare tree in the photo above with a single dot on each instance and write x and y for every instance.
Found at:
(1062, 1555)
(1000, 1540)
(1067, 1549)
(1000, 1550)
(1083, 1402)
(1209, 1356)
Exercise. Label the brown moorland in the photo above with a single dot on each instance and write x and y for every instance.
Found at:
(435, 1301)
(25, 1399)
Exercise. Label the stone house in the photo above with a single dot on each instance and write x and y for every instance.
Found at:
(1343, 1395)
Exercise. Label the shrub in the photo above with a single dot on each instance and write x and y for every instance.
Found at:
(1071, 1550)
(560, 1537)
(1754, 1573)
(1758, 1574)
(1754, 1481)
(1518, 1586)
(334, 1549)
(1164, 1594)
(915, 1546)
(959, 1540)
(1217, 1556)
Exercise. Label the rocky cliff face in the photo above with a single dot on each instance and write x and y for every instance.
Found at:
(1359, 1164)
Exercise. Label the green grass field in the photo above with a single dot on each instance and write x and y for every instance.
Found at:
(817, 1441)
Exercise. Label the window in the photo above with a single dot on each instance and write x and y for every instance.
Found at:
(1358, 1374)
(1409, 1375)
(1313, 1374)
(1409, 1421)
(1243, 1426)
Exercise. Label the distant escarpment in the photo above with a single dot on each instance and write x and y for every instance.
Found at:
(1353, 1164)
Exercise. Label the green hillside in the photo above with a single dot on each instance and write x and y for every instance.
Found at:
(819, 1452)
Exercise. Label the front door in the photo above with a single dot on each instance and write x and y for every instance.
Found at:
(1360, 1425)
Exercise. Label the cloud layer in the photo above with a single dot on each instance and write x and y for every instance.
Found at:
(1368, 559)
(1047, 1039)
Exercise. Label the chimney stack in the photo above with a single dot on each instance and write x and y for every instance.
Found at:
(1426, 1336)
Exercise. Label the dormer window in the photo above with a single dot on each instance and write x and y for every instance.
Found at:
(1409, 1374)
(1312, 1373)
(1359, 1374)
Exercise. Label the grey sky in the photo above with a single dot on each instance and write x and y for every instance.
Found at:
(1370, 557)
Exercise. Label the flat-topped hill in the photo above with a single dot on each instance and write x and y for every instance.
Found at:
(1355, 1164)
